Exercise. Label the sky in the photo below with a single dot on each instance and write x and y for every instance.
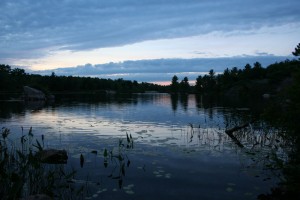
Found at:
(145, 40)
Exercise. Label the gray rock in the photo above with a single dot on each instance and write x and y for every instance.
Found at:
(52, 156)
(32, 94)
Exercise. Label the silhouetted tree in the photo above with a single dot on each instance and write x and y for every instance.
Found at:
(184, 85)
(211, 81)
(174, 84)
(297, 50)
(234, 73)
(199, 85)
(258, 71)
(247, 71)
(226, 78)
(18, 77)
(4, 77)
(211, 73)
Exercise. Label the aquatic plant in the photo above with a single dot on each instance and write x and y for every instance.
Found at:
(118, 159)
(23, 173)
(261, 143)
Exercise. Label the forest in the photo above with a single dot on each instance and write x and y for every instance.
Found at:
(249, 81)
(280, 80)
(13, 80)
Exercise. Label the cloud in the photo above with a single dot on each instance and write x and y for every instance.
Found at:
(258, 53)
(162, 69)
(33, 28)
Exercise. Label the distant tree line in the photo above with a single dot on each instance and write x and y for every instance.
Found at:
(13, 80)
(247, 80)
(251, 80)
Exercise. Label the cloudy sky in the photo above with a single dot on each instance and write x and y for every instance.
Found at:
(145, 40)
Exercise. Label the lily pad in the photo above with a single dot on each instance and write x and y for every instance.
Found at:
(129, 192)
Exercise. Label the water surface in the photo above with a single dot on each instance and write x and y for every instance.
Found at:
(180, 148)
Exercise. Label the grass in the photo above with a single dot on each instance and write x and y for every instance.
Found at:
(23, 174)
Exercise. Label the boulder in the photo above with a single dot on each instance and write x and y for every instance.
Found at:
(52, 156)
(32, 94)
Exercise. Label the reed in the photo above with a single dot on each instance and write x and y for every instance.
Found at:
(23, 174)
(118, 159)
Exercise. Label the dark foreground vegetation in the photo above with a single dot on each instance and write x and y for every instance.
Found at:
(283, 112)
(25, 172)
(30, 171)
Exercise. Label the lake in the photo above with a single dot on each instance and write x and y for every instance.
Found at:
(154, 146)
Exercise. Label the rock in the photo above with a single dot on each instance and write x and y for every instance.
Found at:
(31, 94)
(52, 156)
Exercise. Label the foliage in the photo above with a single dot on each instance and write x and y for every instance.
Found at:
(283, 112)
(297, 50)
(182, 87)
(23, 174)
(174, 84)
(249, 81)
(13, 80)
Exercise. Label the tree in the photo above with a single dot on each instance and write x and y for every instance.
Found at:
(211, 73)
(297, 50)
(174, 79)
(174, 84)
(258, 72)
(18, 77)
(226, 78)
(5, 69)
(234, 73)
(247, 67)
(4, 77)
(257, 65)
(184, 85)
(246, 74)
(212, 80)
(199, 84)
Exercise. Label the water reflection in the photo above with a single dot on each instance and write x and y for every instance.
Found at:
(180, 149)
(7, 109)
(174, 102)
(184, 101)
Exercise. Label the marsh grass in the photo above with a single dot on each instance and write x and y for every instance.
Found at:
(262, 146)
(22, 173)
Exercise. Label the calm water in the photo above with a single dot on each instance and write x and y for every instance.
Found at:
(180, 148)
